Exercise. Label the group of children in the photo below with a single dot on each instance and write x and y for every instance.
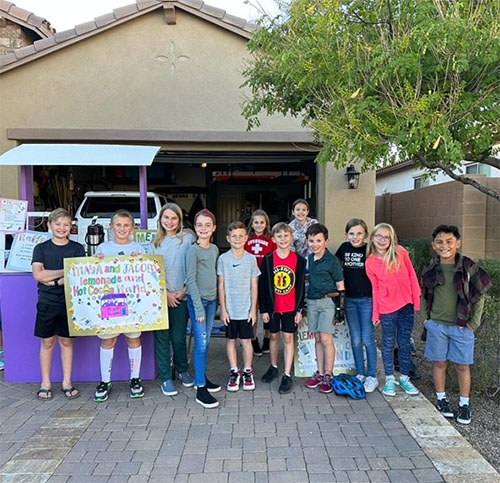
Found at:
(369, 281)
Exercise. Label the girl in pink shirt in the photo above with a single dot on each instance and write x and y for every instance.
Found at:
(396, 296)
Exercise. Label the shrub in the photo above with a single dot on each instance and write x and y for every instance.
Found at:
(420, 253)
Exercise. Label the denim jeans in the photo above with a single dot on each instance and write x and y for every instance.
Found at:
(359, 318)
(400, 324)
(201, 334)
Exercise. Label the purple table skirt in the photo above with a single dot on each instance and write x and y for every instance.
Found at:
(18, 298)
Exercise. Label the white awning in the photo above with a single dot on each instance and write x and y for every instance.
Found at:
(79, 155)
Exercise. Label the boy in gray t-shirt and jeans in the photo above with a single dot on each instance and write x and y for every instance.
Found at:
(238, 273)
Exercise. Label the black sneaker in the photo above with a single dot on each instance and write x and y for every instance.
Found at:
(136, 389)
(102, 391)
(204, 398)
(257, 351)
(286, 384)
(265, 346)
(271, 374)
(211, 386)
(443, 406)
(463, 416)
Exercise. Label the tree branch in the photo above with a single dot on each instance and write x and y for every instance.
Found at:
(459, 177)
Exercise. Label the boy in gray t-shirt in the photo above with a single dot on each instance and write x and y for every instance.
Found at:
(238, 273)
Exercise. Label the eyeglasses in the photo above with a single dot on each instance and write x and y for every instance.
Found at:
(382, 237)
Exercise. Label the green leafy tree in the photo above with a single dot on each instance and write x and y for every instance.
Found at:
(381, 81)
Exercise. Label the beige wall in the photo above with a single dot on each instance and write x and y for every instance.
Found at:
(415, 214)
(337, 204)
(145, 75)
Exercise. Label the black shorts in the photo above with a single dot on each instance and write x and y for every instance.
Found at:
(239, 329)
(284, 322)
(51, 320)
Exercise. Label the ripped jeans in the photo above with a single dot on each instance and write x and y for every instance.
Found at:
(201, 334)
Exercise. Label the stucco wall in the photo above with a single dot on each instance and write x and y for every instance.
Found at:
(337, 204)
(414, 214)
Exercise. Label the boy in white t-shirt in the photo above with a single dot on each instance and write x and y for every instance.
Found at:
(122, 224)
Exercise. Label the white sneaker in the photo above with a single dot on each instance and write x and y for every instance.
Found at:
(361, 377)
(371, 383)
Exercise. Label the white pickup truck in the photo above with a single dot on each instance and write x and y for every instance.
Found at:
(102, 204)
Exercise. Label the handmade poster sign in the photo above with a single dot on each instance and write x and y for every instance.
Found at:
(22, 248)
(305, 351)
(12, 215)
(144, 237)
(114, 295)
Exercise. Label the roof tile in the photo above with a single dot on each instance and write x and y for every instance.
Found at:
(65, 35)
(192, 3)
(83, 28)
(213, 11)
(251, 27)
(4, 5)
(24, 51)
(44, 43)
(142, 4)
(126, 10)
(7, 59)
(103, 20)
(236, 21)
(19, 12)
(35, 20)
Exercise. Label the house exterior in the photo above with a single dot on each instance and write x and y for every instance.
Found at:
(169, 73)
(20, 28)
(405, 176)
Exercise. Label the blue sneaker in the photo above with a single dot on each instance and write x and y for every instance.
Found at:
(186, 379)
(168, 388)
(2, 365)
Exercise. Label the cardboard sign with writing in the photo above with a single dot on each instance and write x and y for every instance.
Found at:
(144, 237)
(305, 351)
(115, 295)
(12, 215)
(22, 248)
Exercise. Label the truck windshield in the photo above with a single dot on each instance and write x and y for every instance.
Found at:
(105, 207)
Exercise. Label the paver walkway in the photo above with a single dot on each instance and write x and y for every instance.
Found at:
(256, 436)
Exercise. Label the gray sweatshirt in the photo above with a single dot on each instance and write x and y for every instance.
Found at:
(201, 275)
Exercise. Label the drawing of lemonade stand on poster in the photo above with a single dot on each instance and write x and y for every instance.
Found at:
(115, 295)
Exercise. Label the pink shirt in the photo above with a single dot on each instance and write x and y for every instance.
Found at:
(392, 290)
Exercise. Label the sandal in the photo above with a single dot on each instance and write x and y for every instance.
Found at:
(68, 392)
(44, 394)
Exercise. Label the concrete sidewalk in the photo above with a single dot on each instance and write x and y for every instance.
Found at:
(255, 436)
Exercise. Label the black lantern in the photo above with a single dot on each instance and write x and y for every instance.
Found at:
(352, 177)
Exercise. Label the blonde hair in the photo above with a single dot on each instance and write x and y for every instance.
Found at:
(391, 257)
(58, 213)
(259, 212)
(281, 226)
(355, 222)
(122, 214)
(161, 233)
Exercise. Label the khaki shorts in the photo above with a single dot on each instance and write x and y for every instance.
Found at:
(130, 335)
(320, 313)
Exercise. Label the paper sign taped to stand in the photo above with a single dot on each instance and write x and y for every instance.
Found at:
(13, 215)
(115, 295)
(21, 252)
(305, 351)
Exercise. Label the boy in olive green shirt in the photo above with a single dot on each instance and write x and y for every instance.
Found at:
(453, 289)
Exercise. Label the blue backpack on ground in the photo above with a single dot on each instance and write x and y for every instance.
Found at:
(348, 385)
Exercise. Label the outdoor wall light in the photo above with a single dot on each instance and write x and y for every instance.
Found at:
(352, 177)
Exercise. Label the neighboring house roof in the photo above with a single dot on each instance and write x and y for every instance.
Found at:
(26, 19)
(119, 16)
(394, 167)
